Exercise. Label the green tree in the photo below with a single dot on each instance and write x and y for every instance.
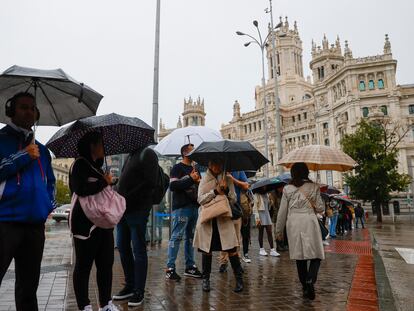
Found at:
(374, 146)
(62, 193)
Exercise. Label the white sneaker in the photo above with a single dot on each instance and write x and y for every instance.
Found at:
(88, 308)
(263, 252)
(109, 307)
(246, 258)
(274, 253)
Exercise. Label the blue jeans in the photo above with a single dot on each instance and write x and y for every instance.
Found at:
(332, 227)
(356, 221)
(184, 221)
(134, 260)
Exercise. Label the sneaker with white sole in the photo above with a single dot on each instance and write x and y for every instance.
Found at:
(193, 272)
(262, 252)
(109, 307)
(124, 293)
(136, 300)
(88, 308)
(326, 243)
(273, 253)
(246, 258)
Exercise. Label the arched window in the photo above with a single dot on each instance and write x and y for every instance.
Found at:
(326, 142)
(362, 85)
(325, 125)
(380, 83)
(371, 84)
(365, 112)
(384, 110)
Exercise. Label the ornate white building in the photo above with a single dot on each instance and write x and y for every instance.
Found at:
(321, 110)
(193, 114)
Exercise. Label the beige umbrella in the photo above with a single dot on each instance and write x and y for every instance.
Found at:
(318, 158)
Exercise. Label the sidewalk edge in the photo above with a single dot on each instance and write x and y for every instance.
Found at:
(386, 299)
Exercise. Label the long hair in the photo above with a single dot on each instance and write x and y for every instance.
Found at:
(300, 174)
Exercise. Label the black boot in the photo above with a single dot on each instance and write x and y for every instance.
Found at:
(237, 269)
(206, 266)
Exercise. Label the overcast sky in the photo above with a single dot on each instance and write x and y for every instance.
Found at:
(109, 45)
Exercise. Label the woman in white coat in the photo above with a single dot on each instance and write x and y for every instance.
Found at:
(301, 201)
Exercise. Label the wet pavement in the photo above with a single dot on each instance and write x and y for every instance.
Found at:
(270, 283)
(348, 278)
(398, 272)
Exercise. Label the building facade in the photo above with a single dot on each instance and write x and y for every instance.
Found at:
(61, 168)
(322, 109)
(193, 115)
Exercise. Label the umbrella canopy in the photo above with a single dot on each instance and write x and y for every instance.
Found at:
(120, 135)
(236, 155)
(286, 178)
(59, 98)
(319, 157)
(266, 185)
(343, 199)
(171, 144)
(329, 189)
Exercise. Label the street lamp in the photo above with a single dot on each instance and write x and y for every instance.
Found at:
(262, 45)
(277, 103)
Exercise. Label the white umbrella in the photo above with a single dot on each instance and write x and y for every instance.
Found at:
(171, 144)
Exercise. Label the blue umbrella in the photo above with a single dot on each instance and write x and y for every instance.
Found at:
(285, 177)
(120, 135)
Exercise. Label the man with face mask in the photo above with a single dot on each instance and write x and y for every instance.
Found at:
(26, 198)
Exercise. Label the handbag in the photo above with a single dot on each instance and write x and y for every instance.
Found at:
(104, 209)
(324, 230)
(219, 206)
(236, 211)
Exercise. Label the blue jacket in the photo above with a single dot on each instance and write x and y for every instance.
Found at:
(26, 185)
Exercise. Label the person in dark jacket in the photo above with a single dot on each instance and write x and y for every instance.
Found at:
(92, 244)
(137, 182)
(359, 215)
(184, 180)
(27, 188)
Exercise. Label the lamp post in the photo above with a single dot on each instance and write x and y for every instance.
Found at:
(155, 98)
(277, 103)
(262, 45)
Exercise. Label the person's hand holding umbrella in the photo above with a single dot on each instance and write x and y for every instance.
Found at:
(195, 176)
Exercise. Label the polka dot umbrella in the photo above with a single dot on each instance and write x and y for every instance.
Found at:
(120, 135)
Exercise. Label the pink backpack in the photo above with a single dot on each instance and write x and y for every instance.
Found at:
(104, 209)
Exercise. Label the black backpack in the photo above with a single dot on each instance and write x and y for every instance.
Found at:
(160, 189)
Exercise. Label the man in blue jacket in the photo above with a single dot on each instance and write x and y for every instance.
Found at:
(26, 198)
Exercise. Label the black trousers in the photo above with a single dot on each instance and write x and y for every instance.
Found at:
(245, 233)
(308, 274)
(24, 243)
(99, 248)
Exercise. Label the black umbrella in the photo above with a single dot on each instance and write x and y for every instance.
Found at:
(236, 155)
(266, 185)
(120, 135)
(59, 98)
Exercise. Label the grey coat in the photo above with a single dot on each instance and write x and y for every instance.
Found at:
(303, 232)
(204, 231)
